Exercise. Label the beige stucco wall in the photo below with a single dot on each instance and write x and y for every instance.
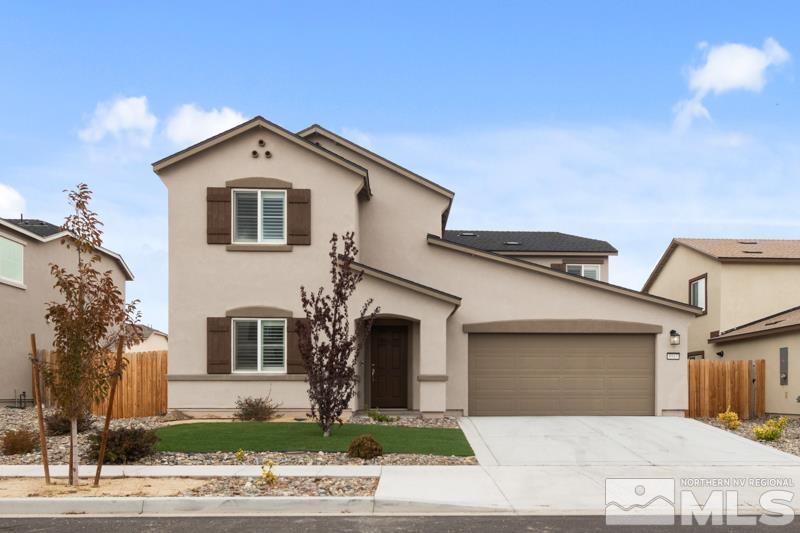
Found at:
(206, 280)
(154, 343)
(751, 291)
(673, 282)
(22, 310)
(780, 398)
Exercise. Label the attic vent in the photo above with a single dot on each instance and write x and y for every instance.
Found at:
(774, 322)
(466, 234)
(748, 242)
(511, 243)
(753, 251)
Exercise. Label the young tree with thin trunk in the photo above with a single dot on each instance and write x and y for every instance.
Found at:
(328, 346)
(90, 319)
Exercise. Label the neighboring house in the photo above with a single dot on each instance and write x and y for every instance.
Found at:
(152, 341)
(27, 249)
(749, 291)
(464, 327)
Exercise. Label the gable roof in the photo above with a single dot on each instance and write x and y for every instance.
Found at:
(528, 241)
(732, 251)
(540, 269)
(360, 150)
(260, 122)
(788, 320)
(42, 231)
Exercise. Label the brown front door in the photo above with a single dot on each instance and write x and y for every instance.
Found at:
(389, 367)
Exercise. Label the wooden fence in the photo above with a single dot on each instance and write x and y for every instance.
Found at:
(716, 385)
(142, 391)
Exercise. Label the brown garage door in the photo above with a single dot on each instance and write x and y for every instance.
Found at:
(550, 374)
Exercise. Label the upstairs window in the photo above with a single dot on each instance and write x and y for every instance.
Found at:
(698, 292)
(259, 216)
(11, 260)
(587, 271)
(259, 345)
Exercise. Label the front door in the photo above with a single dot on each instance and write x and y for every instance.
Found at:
(389, 367)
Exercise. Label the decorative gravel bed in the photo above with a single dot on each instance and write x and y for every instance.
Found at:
(287, 486)
(302, 458)
(789, 441)
(409, 421)
(58, 447)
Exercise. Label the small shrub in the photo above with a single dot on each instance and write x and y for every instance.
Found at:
(268, 477)
(259, 409)
(58, 424)
(365, 447)
(18, 441)
(730, 419)
(240, 455)
(771, 429)
(377, 416)
(125, 445)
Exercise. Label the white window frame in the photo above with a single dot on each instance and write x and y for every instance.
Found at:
(702, 294)
(16, 282)
(259, 221)
(583, 269)
(259, 347)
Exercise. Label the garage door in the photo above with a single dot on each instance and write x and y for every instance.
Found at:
(557, 374)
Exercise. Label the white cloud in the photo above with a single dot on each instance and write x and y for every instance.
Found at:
(191, 124)
(123, 118)
(358, 136)
(727, 67)
(12, 204)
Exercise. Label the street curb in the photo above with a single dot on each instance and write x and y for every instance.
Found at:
(186, 505)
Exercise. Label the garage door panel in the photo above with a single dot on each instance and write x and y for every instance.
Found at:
(543, 374)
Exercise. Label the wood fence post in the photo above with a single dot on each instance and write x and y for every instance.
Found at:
(37, 398)
(104, 442)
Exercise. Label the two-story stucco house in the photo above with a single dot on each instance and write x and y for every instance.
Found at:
(27, 248)
(472, 322)
(749, 292)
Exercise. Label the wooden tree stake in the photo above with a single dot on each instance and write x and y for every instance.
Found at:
(37, 398)
(104, 442)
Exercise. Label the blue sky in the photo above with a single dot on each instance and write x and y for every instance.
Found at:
(628, 121)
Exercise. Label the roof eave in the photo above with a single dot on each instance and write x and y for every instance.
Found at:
(658, 300)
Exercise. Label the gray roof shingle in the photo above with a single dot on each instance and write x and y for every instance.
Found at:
(39, 227)
(527, 241)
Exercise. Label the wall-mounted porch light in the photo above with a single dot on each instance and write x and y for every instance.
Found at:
(674, 338)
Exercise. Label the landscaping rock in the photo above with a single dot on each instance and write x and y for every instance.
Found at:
(287, 486)
(789, 441)
(408, 421)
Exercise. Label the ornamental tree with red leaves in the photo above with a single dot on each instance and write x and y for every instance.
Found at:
(328, 342)
(90, 317)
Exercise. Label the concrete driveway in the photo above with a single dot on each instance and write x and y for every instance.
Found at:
(612, 440)
(561, 464)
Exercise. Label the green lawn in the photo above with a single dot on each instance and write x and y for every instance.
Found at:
(287, 436)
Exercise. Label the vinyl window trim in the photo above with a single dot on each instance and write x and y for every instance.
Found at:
(704, 278)
(259, 348)
(583, 269)
(19, 283)
(259, 221)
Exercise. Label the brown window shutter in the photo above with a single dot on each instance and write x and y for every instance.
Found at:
(218, 348)
(558, 266)
(294, 361)
(218, 211)
(298, 216)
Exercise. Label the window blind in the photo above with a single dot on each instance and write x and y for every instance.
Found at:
(246, 216)
(272, 215)
(246, 344)
(272, 345)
